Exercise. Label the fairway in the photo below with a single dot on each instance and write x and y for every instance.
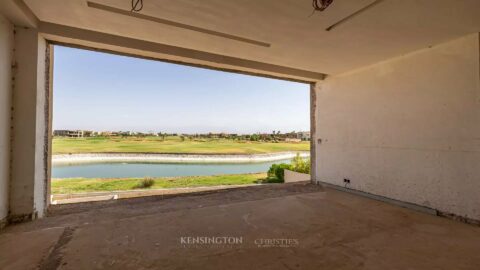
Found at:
(173, 144)
(81, 185)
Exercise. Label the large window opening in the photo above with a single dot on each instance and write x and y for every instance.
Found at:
(125, 126)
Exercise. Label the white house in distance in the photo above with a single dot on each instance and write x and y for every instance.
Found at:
(303, 135)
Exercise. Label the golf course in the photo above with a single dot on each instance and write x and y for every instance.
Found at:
(106, 177)
(171, 144)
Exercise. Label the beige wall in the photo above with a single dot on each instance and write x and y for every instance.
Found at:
(407, 129)
(29, 181)
(6, 54)
(291, 177)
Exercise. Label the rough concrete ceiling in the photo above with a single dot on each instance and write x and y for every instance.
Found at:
(389, 29)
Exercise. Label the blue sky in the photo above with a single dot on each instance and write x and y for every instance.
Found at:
(102, 92)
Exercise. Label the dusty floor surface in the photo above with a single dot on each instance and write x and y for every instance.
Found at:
(291, 226)
(105, 196)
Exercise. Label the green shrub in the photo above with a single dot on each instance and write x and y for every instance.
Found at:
(146, 182)
(254, 137)
(278, 171)
(271, 170)
(300, 164)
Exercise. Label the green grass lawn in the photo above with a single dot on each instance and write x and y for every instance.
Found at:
(80, 185)
(170, 145)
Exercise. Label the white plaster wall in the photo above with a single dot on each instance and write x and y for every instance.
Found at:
(24, 103)
(41, 133)
(28, 182)
(6, 54)
(407, 129)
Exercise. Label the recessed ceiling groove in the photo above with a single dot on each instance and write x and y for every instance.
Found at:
(353, 15)
(175, 24)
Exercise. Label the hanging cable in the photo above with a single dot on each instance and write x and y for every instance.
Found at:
(137, 5)
(321, 5)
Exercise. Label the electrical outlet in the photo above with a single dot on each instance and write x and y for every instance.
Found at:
(345, 180)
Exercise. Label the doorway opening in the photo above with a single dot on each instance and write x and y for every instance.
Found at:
(127, 127)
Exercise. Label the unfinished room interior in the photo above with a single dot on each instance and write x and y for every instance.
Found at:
(395, 136)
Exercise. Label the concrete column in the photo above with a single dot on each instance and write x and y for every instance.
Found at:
(29, 178)
(314, 87)
(6, 56)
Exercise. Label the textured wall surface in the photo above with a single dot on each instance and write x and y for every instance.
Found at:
(28, 182)
(6, 54)
(407, 128)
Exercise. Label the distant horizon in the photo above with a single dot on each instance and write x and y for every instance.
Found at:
(197, 133)
(104, 92)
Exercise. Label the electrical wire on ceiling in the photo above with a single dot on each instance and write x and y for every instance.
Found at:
(321, 5)
(137, 5)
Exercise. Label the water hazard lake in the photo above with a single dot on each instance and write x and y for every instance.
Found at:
(124, 170)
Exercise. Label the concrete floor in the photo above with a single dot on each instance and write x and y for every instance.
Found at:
(324, 228)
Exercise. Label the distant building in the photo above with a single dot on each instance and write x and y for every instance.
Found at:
(71, 133)
(303, 135)
(104, 133)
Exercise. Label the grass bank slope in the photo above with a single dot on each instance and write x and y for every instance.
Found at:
(82, 185)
